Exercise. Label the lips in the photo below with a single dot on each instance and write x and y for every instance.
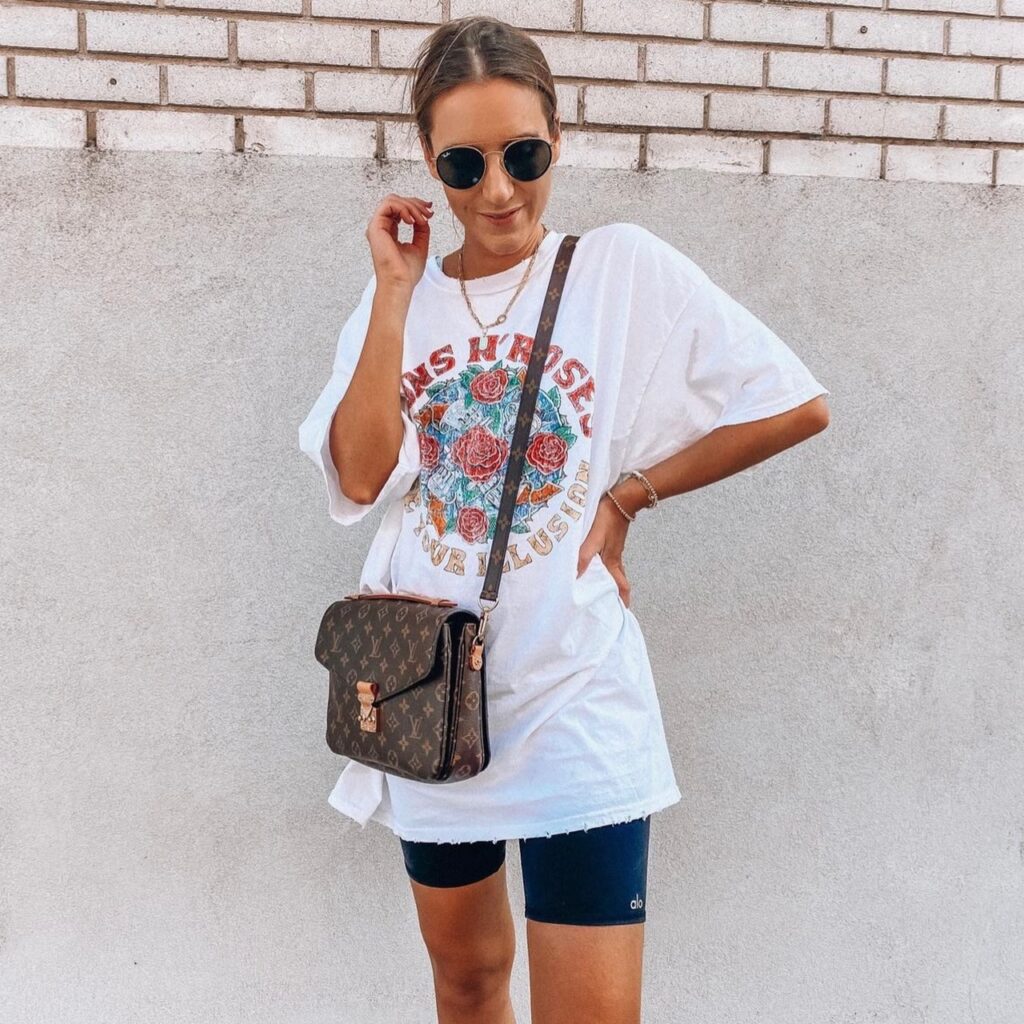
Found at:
(502, 218)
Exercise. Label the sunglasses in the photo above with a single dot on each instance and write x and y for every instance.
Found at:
(463, 166)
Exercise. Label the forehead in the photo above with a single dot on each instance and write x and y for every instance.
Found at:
(486, 114)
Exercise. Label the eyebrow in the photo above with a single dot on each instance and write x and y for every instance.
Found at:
(512, 138)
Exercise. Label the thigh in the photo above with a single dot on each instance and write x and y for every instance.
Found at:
(594, 876)
(586, 904)
(461, 896)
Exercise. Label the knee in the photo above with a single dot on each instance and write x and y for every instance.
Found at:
(475, 980)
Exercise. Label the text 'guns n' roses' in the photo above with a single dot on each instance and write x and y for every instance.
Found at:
(571, 375)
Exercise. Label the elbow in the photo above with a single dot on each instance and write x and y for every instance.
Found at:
(816, 415)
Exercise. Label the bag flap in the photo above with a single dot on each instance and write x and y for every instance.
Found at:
(393, 643)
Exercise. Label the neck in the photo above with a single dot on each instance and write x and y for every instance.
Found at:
(480, 262)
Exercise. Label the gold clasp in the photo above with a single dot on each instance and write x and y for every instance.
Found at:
(369, 717)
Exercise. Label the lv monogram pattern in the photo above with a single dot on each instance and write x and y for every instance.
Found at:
(423, 712)
(431, 704)
(514, 472)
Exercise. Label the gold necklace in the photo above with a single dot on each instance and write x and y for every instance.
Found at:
(501, 319)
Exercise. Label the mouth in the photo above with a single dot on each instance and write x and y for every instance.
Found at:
(505, 217)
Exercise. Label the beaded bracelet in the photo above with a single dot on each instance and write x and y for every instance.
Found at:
(652, 494)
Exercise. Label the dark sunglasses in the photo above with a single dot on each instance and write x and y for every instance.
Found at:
(464, 166)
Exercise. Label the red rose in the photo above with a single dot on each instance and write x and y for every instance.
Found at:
(489, 386)
(430, 451)
(471, 524)
(547, 452)
(479, 454)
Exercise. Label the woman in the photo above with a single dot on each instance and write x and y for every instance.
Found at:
(652, 368)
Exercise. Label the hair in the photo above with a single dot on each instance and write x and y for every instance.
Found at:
(474, 49)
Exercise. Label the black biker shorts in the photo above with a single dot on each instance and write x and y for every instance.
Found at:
(591, 876)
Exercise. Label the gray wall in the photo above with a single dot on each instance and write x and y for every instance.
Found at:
(836, 633)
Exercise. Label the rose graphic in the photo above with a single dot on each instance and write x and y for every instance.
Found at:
(430, 451)
(547, 452)
(471, 523)
(489, 386)
(479, 454)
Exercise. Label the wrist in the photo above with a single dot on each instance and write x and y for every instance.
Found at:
(631, 495)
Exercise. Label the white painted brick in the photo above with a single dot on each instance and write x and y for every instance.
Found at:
(827, 72)
(939, 163)
(643, 104)
(600, 149)
(304, 42)
(256, 6)
(865, 30)
(401, 141)
(1012, 84)
(757, 112)
(565, 98)
(681, 19)
(235, 87)
(362, 92)
(975, 37)
(719, 153)
(42, 126)
(384, 10)
(50, 28)
(820, 157)
(168, 130)
(763, 23)
(909, 77)
(1010, 167)
(988, 123)
(883, 118)
(79, 78)
(952, 6)
(1013, 9)
(398, 46)
(310, 136)
(179, 35)
(578, 57)
(847, 3)
(704, 63)
(557, 14)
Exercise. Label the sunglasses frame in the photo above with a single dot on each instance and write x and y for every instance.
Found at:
(483, 156)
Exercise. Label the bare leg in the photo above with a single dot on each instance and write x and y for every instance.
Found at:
(471, 940)
(589, 973)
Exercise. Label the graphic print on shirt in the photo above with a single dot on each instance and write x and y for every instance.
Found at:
(465, 417)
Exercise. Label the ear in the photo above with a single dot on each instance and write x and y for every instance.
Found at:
(556, 143)
(428, 156)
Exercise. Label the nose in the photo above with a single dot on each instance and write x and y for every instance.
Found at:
(497, 188)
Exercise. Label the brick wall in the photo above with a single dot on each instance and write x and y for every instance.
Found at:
(896, 89)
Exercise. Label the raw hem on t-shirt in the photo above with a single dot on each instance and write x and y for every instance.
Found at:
(477, 833)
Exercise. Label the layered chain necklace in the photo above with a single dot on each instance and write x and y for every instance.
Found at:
(504, 316)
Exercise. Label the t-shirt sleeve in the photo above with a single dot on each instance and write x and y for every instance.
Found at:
(315, 431)
(719, 365)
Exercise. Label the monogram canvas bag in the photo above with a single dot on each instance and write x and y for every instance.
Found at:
(406, 672)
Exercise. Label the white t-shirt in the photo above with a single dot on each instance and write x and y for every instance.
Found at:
(647, 356)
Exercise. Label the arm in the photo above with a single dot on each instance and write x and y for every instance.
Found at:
(723, 452)
(367, 430)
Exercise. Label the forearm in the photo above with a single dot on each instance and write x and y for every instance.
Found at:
(723, 452)
(367, 430)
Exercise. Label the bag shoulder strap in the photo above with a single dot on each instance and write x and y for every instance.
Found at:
(524, 419)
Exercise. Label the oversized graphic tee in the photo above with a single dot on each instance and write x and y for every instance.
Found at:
(647, 355)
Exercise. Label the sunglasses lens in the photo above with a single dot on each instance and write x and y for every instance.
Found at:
(528, 159)
(460, 167)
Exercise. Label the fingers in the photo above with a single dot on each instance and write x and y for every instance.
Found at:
(408, 209)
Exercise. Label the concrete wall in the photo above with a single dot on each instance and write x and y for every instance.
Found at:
(836, 633)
